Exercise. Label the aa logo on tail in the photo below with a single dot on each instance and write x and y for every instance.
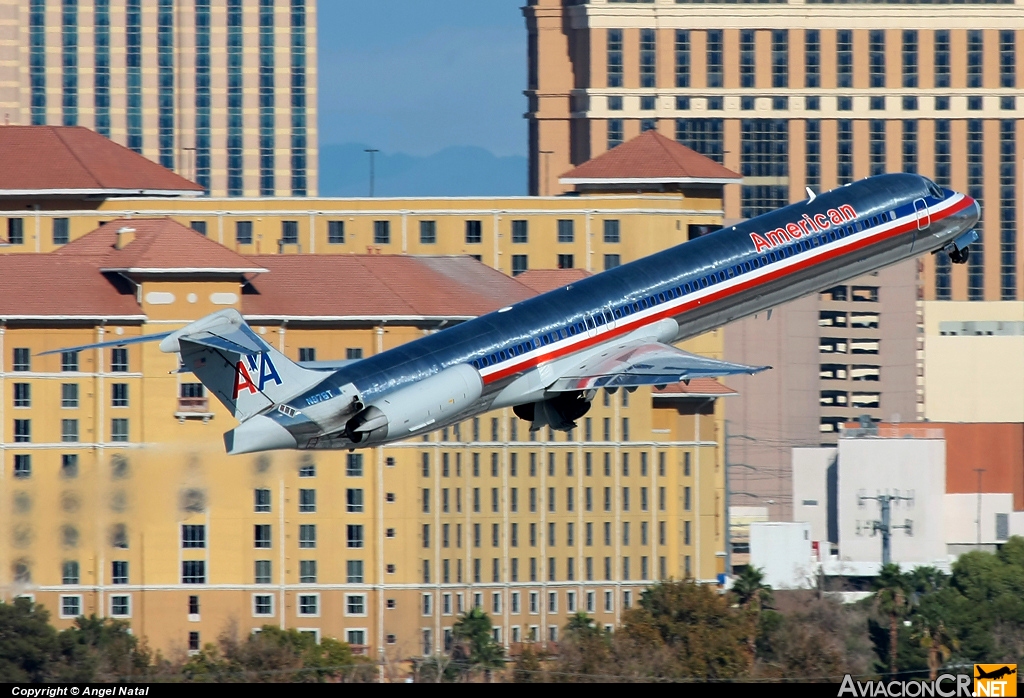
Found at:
(262, 368)
(995, 679)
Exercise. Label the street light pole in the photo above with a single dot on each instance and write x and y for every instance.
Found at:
(372, 152)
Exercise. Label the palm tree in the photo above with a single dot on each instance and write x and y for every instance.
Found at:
(751, 591)
(476, 647)
(891, 600)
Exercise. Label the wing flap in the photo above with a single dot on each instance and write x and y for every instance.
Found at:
(643, 362)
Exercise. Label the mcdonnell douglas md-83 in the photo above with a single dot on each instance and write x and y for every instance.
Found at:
(548, 356)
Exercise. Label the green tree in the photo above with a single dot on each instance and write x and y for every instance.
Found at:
(753, 595)
(683, 630)
(529, 666)
(891, 601)
(585, 648)
(475, 648)
(28, 643)
(102, 649)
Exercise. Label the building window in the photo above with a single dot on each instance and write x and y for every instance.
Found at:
(428, 232)
(975, 59)
(876, 57)
(289, 232)
(1007, 210)
(844, 58)
(243, 232)
(812, 159)
(120, 606)
(611, 231)
(353, 353)
(614, 58)
(307, 501)
(844, 154)
(307, 536)
(309, 604)
(877, 145)
(165, 82)
(648, 58)
(235, 86)
(202, 98)
(37, 59)
(812, 58)
(764, 153)
(307, 571)
(354, 465)
(615, 133)
(261, 572)
(22, 360)
(1007, 58)
(266, 97)
(262, 605)
(975, 174)
(119, 394)
(682, 58)
(22, 466)
(942, 61)
(70, 606)
(193, 641)
(910, 146)
(355, 605)
(61, 234)
(355, 536)
(702, 135)
(877, 104)
(520, 263)
(262, 500)
(69, 572)
(474, 234)
(22, 394)
(119, 430)
(262, 536)
(193, 536)
(193, 572)
(354, 500)
(565, 261)
(780, 58)
(611, 261)
(69, 430)
(747, 58)
(714, 57)
(22, 431)
(565, 231)
(119, 572)
(119, 360)
(298, 95)
(910, 58)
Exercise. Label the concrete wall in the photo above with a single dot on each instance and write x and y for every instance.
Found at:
(973, 378)
(783, 551)
(810, 488)
(961, 518)
(913, 468)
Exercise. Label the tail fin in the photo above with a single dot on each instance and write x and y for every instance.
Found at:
(244, 372)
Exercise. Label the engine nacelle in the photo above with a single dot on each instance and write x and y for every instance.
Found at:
(421, 404)
(559, 413)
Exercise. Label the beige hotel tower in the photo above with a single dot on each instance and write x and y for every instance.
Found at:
(223, 93)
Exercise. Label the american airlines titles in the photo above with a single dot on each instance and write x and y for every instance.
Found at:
(807, 225)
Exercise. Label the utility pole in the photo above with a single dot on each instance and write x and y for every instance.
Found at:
(372, 152)
(978, 520)
(728, 518)
(885, 526)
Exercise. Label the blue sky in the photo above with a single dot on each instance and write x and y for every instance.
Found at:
(418, 76)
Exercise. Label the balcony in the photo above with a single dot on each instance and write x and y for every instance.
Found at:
(193, 408)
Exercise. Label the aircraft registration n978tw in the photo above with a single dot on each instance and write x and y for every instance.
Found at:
(548, 356)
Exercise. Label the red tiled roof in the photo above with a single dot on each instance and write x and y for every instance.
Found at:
(650, 158)
(698, 387)
(350, 286)
(544, 280)
(160, 245)
(61, 286)
(74, 161)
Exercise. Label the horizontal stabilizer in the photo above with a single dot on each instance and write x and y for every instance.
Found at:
(123, 341)
(642, 362)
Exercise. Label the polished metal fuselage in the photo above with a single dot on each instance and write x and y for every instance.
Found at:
(898, 217)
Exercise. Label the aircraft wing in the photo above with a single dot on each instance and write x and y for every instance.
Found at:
(644, 362)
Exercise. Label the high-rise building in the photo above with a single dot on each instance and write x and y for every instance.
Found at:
(804, 94)
(223, 93)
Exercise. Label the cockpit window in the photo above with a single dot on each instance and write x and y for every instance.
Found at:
(935, 190)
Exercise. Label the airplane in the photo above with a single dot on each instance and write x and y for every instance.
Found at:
(547, 357)
(995, 673)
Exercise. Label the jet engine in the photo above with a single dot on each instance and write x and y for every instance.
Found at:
(559, 412)
(408, 409)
